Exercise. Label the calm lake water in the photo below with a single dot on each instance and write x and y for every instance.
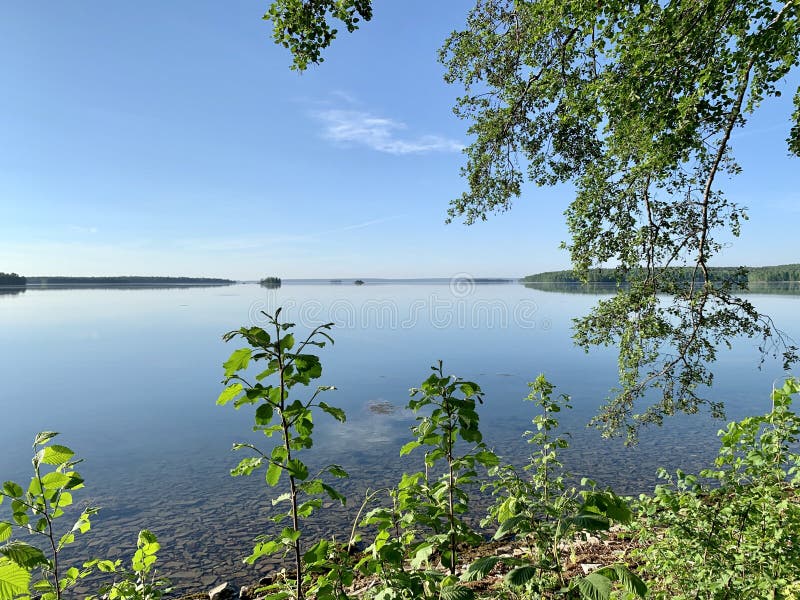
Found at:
(130, 378)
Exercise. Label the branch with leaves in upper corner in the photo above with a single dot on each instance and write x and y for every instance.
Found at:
(635, 105)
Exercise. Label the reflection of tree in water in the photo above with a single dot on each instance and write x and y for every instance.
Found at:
(11, 291)
(598, 289)
(774, 287)
(606, 289)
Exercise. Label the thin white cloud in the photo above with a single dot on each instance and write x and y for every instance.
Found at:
(364, 224)
(379, 133)
(346, 96)
(247, 243)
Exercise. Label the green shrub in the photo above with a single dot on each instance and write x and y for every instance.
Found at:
(733, 531)
(141, 582)
(35, 511)
(545, 515)
(289, 369)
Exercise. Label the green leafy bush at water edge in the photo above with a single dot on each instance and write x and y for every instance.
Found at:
(733, 531)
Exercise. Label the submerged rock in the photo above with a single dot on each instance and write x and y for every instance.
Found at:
(224, 591)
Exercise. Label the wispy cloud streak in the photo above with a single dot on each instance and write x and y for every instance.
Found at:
(246, 243)
(379, 133)
(364, 224)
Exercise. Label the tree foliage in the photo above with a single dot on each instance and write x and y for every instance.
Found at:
(634, 104)
(743, 276)
(303, 26)
(12, 279)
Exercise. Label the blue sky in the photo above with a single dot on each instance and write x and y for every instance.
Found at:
(171, 138)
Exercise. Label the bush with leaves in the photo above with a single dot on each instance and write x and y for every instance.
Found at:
(734, 530)
(426, 516)
(545, 514)
(141, 582)
(292, 419)
(26, 568)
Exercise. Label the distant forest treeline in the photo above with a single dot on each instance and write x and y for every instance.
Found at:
(12, 279)
(128, 280)
(744, 275)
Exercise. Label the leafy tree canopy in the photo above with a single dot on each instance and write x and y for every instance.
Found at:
(634, 103)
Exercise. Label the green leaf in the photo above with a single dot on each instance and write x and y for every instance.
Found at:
(456, 592)
(14, 580)
(333, 494)
(264, 414)
(609, 504)
(409, 447)
(480, 568)
(282, 498)
(594, 587)
(337, 471)
(47, 589)
(19, 512)
(289, 535)
(55, 455)
(43, 437)
(246, 466)
(83, 524)
(273, 474)
(12, 489)
(75, 481)
(469, 389)
(229, 393)
(521, 575)
(147, 540)
(336, 413)
(297, 469)
(487, 458)
(262, 549)
(24, 554)
(5, 531)
(306, 509)
(421, 554)
(317, 553)
(238, 360)
(286, 342)
(55, 480)
(626, 577)
(589, 521)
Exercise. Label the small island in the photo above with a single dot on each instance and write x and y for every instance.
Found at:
(270, 282)
(358, 282)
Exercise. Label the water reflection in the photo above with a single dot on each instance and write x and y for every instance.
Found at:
(129, 377)
(11, 291)
(595, 289)
(604, 289)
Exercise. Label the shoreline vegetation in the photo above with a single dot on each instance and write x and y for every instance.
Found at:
(741, 276)
(779, 279)
(13, 280)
